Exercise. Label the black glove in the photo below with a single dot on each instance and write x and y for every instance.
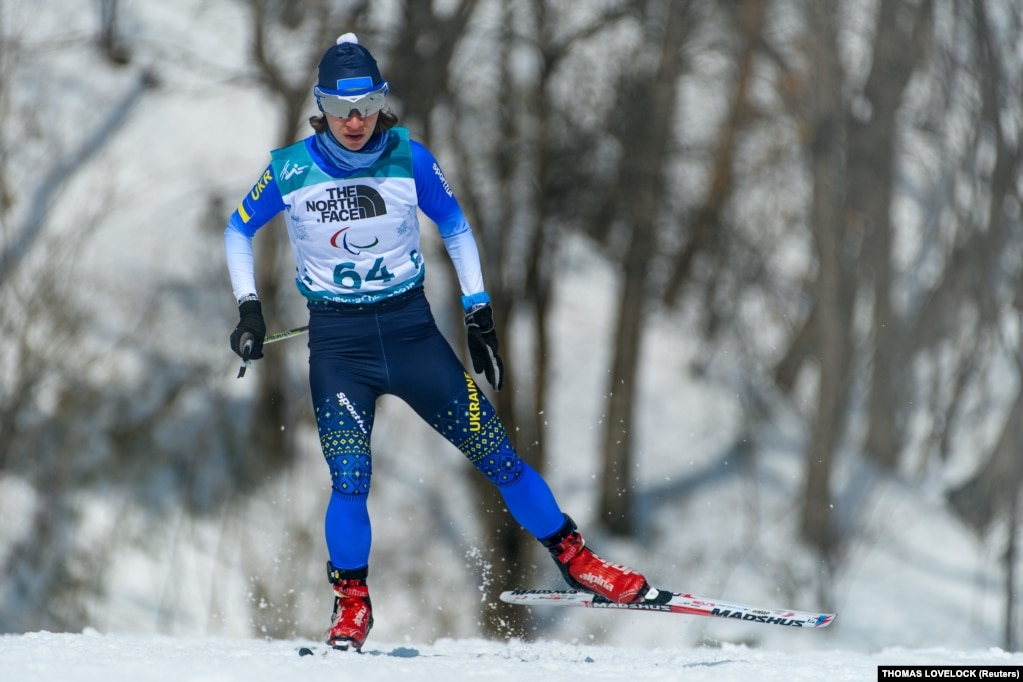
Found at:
(483, 344)
(250, 327)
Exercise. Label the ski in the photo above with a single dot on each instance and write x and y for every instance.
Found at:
(325, 650)
(668, 602)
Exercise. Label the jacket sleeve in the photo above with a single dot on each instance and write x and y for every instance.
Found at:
(438, 203)
(257, 209)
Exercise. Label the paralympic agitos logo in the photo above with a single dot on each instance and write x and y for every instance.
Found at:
(354, 249)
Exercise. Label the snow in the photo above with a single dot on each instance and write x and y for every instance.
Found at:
(93, 657)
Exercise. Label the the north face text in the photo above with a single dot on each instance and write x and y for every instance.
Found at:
(347, 204)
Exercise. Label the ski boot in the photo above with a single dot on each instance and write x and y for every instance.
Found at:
(353, 611)
(585, 571)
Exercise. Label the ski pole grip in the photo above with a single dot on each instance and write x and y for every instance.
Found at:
(247, 342)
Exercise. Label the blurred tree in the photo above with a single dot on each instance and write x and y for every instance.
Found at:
(639, 196)
(420, 61)
(110, 40)
(822, 113)
(851, 223)
(708, 226)
(902, 33)
(994, 283)
(45, 400)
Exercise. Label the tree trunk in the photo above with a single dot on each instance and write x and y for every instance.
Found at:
(616, 495)
(833, 303)
(653, 91)
(871, 151)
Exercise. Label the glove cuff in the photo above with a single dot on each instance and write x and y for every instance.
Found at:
(475, 299)
(250, 307)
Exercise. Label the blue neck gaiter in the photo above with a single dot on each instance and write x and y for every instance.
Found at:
(346, 160)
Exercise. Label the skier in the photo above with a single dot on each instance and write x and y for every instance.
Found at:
(349, 194)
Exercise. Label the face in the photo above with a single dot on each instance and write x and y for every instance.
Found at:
(353, 132)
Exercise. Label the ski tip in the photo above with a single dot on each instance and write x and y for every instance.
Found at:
(824, 620)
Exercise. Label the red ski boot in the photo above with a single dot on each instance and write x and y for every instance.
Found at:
(583, 570)
(353, 611)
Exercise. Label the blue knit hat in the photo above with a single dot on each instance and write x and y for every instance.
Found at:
(348, 68)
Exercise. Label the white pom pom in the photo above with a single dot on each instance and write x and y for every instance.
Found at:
(348, 38)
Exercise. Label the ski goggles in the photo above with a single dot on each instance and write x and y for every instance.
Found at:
(343, 106)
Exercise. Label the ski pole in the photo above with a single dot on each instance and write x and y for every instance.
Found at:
(248, 341)
(280, 336)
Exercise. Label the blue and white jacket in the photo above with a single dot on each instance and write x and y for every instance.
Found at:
(355, 237)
